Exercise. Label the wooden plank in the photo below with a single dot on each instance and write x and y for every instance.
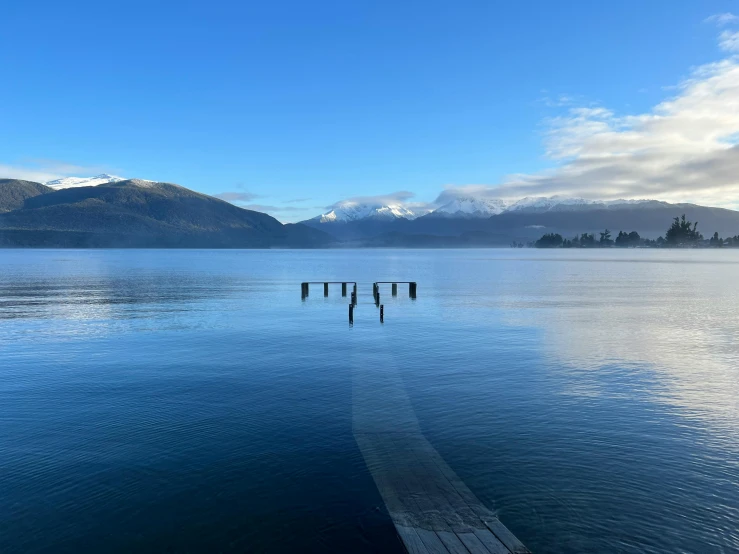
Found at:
(464, 492)
(452, 542)
(471, 522)
(460, 516)
(506, 537)
(411, 540)
(420, 485)
(407, 500)
(393, 475)
(456, 512)
(472, 543)
(412, 490)
(389, 491)
(433, 510)
(432, 542)
(490, 520)
(491, 542)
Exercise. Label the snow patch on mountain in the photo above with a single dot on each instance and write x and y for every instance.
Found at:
(465, 206)
(71, 182)
(469, 206)
(546, 203)
(353, 211)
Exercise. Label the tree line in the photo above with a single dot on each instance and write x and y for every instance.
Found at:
(681, 233)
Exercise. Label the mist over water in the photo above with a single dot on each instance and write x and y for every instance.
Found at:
(157, 401)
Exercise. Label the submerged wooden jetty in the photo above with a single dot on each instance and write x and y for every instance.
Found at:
(433, 511)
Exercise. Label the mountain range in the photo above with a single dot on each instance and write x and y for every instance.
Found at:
(137, 213)
(111, 211)
(482, 221)
(463, 206)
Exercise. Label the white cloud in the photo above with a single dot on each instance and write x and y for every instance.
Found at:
(271, 209)
(393, 198)
(684, 149)
(452, 192)
(46, 170)
(722, 19)
(556, 102)
(236, 197)
(729, 41)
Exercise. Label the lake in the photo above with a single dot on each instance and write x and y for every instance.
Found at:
(190, 401)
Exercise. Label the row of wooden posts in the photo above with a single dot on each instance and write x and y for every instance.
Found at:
(305, 289)
(412, 286)
(394, 289)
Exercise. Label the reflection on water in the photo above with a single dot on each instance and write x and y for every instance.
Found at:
(677, 318)
(188, 400)
(79, 297)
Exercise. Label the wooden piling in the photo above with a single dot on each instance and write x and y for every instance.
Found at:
(343, 289)
(325, 289)
(351, 313)
(412, 289)
(377, 299)
(382, 313)
(395, 289)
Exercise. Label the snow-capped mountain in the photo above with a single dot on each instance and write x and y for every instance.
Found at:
(70, 182)
(546, 203)
(565, 203)
(466, 207)
(469, 206)
(344, 212)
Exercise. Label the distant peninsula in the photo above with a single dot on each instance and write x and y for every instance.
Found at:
(682, 233)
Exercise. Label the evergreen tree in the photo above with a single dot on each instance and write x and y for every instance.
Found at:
(605, 238)
(628, 239)
(682, 231)
(587, 240)
(716, 240)
(550, 240)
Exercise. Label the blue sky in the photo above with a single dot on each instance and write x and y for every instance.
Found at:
(293, 106)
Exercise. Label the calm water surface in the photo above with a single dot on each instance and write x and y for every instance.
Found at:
(188, 401)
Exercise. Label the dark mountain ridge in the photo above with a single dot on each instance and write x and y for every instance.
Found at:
(14, 192)
(136, 213)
